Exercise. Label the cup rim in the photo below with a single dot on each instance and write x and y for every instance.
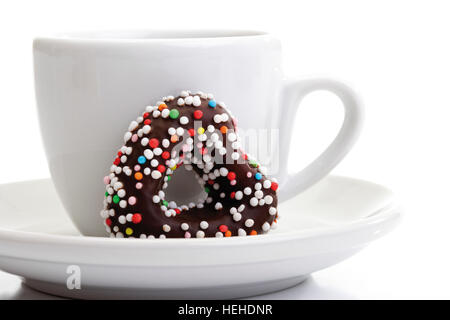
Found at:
(155, 35)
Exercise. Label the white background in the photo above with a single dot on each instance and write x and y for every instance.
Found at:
(395, 53)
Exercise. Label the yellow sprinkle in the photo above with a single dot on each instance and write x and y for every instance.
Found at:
(129, 231)
(201, 130)
(173, 168)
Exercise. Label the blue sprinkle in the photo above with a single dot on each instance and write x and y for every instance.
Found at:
(142, 159)
(258, 176)
(212, 103)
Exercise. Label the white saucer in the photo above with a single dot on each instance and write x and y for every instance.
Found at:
(321, 227)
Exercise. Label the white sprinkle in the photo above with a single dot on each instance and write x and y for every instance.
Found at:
(223, 171)
(184, 93)
(247, 191)
(200, 234)
(123, 159)
(156, 199)
(233, 210)
(241, 232)
(157, 151)
(184, 226)
(237, 216)
(129, 217)
(172, 131)
(259, 194)
(267, 184)
(197, 102)
(165, 113)
(238, 195)
(272, 211)
(148, 154)
(156, 174)
(147, 171)
(180, 101)
(129, 150)
(121, 193)
(146, 129)
(156, 113)
(154, 163)
(189, 100)
(166, 228)
(161, 236)
(123, 204)
(217, 118)
(204, 225)
(219, 234)
(218, 206)
(133, 125)
(258, 186)
(253, 201)
(127, 136)
(184, 120)
(241, 207)
(232, 136)
(122, 219)
(235, 156)
(180, 131)
(262, 202)
(266, 226)
(268, 199)
(144, 141)
(249, 223)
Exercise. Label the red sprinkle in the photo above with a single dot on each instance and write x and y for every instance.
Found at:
(137, 218)
(116, 161)
(147, 121)
(119, 154)
(274, 186)
(165, 155)
(198, 114)
(223, 228)
(154, 143)
(161, 168)
(231, 175)
(191, 132)
(204, 151)
(145, 115)
(232, 195)
(210, 182)
(108, 222)
(177, 211)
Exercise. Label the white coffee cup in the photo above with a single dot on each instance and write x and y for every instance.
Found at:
(89, 86)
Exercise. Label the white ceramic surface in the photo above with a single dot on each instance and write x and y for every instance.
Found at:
(324, 225)
(89, 86)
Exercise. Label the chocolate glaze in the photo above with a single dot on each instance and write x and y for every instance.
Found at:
(153, 217)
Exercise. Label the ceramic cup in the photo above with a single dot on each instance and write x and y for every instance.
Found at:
(89, 86)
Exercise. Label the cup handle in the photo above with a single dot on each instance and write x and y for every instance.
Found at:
(293, 92)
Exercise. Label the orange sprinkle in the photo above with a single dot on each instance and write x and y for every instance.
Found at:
(162, 106)
(138, 176)
(253, 233)
(223, 129)
(228, 233)
(174, 138)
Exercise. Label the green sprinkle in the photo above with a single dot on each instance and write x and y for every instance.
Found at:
(253, 163)
(174, 113)
(169, 177)
(165, 203)
(116, 199)
(206, 189)
(106, 194)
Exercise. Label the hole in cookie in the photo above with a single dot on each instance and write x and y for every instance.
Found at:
(177, 191)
